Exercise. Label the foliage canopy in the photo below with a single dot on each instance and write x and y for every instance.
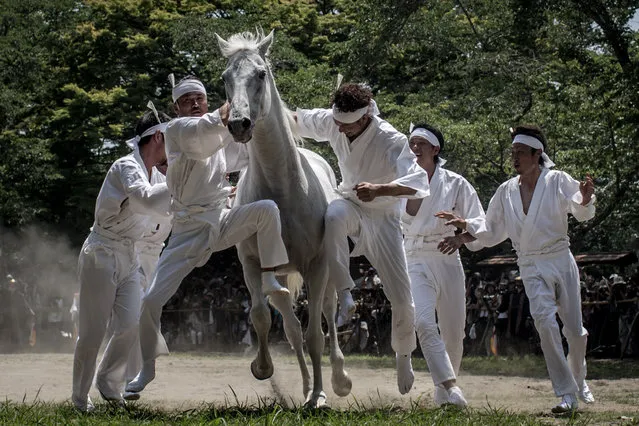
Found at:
(77, 74)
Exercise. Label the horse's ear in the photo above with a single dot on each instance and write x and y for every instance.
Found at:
(223, 44)
(265, 44)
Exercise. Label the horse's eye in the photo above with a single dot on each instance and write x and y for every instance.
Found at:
(262, 74)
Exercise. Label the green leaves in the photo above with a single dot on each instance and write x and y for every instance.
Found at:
(76, 76)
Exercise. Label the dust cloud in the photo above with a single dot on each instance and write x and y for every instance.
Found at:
(37, 285)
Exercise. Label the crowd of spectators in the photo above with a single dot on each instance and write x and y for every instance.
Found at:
(211, 312)
(31, 318)
(499, 321)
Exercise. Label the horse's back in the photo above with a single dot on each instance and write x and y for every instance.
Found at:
(322, 170)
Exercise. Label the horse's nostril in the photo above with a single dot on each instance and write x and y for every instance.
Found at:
(246, 123)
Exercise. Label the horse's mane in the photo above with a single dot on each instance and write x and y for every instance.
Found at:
(242, 41)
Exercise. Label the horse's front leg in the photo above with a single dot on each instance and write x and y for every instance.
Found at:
(262, 365)
(342, 383)
(293, 329)
(315, 281)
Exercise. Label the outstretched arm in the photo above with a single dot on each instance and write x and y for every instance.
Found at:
(314, 123)
(452, 219)
(369, 191)
(198, 137)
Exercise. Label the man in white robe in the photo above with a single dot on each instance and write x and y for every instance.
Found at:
(148, 250)
(377, 168)
(199, 158)
(531, 209)
(438, 282)
(108, 265)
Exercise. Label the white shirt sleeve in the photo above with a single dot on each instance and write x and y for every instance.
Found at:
(468, 205)
(491, 229)
(409, 173)
(315, 123)
(144, 198)
(198, 137)
(572, 198)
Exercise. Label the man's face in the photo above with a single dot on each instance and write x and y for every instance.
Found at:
(192, 104)
(423, 149)
(524, 159)
(353, 130)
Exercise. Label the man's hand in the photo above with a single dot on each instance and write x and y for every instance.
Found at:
(452, 219)
(367, 191)
(450, 245)
(231, 198)
(587, 189)
(225, 110)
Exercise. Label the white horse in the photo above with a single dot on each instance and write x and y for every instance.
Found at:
(301, 183)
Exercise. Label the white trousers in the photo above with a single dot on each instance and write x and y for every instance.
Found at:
(380, 238)
(552, 285)
(189, 243)
(438, 285)
(148, 259)
(109, 289)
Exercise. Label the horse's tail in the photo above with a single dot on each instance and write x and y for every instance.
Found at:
(294, 283)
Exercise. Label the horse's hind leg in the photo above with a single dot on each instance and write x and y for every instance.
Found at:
(342, 383)
(262, 365)
(293, 330)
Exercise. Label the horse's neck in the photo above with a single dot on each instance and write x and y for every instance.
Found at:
(272, 152)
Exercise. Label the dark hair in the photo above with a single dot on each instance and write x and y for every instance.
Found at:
(147, 121)
(352, 96)
(436, 132)
(531, 130)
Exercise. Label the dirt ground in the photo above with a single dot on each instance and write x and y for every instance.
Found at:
(185, 381)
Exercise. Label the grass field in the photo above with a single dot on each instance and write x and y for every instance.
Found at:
(270, 411)
(269, 414)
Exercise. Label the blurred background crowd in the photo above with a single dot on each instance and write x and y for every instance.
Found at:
(210, 312)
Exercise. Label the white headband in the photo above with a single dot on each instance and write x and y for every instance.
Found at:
(133, 143)
(426, 134)
(187, 86)
(533, 142)
(353, 116)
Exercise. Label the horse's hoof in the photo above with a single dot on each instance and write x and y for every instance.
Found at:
(342, 384)
(316, 401)
(261, 373)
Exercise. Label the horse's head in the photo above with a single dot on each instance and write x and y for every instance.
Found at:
(246, 79)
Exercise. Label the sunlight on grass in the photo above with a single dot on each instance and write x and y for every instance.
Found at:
(264, 413)
(372, 411)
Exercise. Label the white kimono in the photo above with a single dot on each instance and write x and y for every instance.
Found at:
(151, 244)
(148, 250)
(197, 149)
(547, 268)
(437, 280)
(108, 275)
(379, 155)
